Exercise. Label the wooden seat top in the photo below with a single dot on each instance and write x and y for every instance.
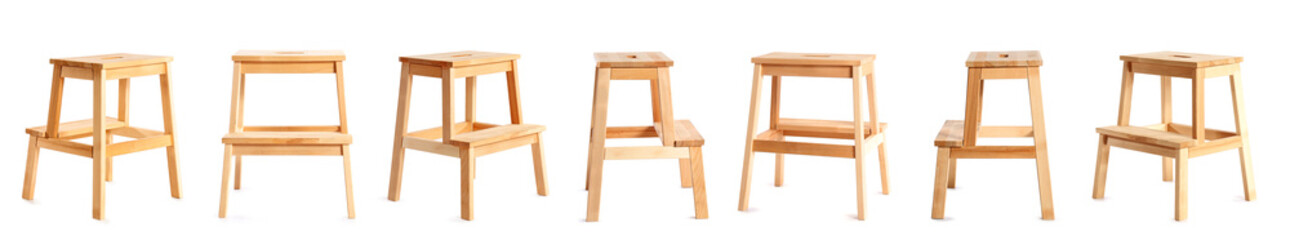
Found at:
(1005, 59)
(1181, 59)
(817, 59)
(289, 56)
(1148, 136)
(632, 59)
(107, 61)
(287, 138)
(461, 58)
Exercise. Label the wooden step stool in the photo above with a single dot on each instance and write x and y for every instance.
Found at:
(680, 140)
(469, 139)
(956, 141)
(1172, 140)
(284, 140)
(58, 136)
(871, 134)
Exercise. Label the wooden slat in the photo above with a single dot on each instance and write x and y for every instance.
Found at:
(770, 135)
(951, 134)
(1215, 146)
(288, 67)
(481, 69)
(77, 72)
(74, 129)
(1162, 70)
(136, 133)
(1003, 73)
(69, 147)
(426, 70)
(804, 148)
(504, 145)
(1006, 131)
(431, 146)
(633, 73)
(1142, 147)
(296, 150)
(686, 134)
(139, 145)
(1148, 136)
(993, 152)
(437, 132)
(807, 71)
(492, 135)
(646, 152)
(630, 132)
(1210, 134)
(287, 138)
(1222, 71)
(481, 126)
(137, 71)
(291, 128)
(821, 128)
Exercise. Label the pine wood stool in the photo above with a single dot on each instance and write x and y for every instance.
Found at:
(58, 136)
(284, 140)
(469, 139)
(680, 140)
(1172, 140)
(958, 139)
(871, 134)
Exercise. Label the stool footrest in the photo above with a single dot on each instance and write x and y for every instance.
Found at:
(823, 128)
(74, 129)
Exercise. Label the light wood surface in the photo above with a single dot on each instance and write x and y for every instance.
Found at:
(110, 61)
(332, 140)
(866, 135)
(1174, 142)
(466, 140)
(680, 140)
(990, 59)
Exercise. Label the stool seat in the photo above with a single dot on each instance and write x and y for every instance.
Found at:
(686, 134)
(461, 58)
(632, 60)
(1181, 59)
(824, 59)
(951, 134)
(287, 138)
(1005, 59)
(494, 134)
(74, 128)
(1148, 136)
(108, 61)
(288, 56)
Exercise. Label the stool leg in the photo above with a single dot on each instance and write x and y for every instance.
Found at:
(400, 129)
(223, 190)
(596, 158)
(349, 185)
(775, 83)
(1099, 176)
(1247, 163)
(168, 120)
(1041, 143)
(685, 173)
(33, 158)
(55, 103)
(858, 120)
(539, 168)
(237, 173)
(108, 164)
(700, 190)
(470, 107)
(122, 114)
(746, 182)
(1166, 117)
(467, 184)
(1180, 186)
(942, 181)
(875, 126)
(100, 146)
(954, 169)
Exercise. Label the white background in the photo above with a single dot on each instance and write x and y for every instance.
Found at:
(920, 47)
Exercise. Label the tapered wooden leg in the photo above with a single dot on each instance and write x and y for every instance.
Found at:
(467, 184)
(1099, 176)
(237, 173)
(100, 147)
(108, 176)
(349, 185)
(685, 173)
(776, 82)
(539, 168)
(1166, 117)
(746, 182)
(779, 169)
(942, 182)
(122, 114)
(699, 187)
(882, 164)
(858, 112)
(223, 190)
(596, 157)
(400, 129)
(29, 180)
(1041, 143)
(168, 120)
(874, 126)
(1247, 161)
(954, 170)
(1180, 186)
